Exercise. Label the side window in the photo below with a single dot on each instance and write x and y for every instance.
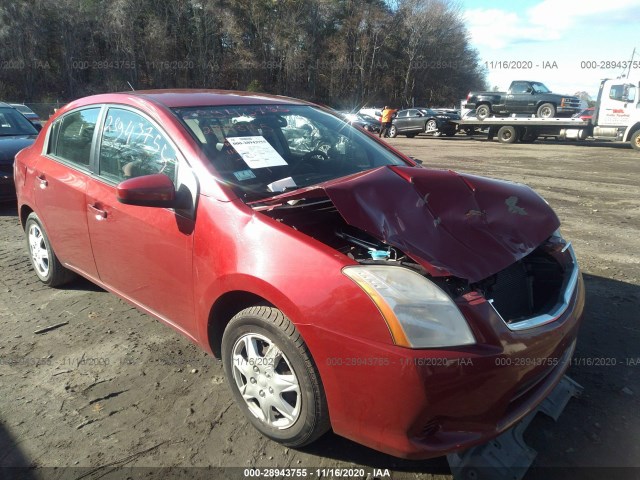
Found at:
(73, 136)
(520, 87)
(132, 146)
(623, 93)
(631, 93)
(403, 114)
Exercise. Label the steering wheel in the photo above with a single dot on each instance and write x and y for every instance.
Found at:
(309, 159)
(314, 155)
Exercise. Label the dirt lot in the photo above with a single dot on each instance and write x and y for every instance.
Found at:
(115, 389)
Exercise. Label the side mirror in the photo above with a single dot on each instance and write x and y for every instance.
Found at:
(418, 114)
(147, 191)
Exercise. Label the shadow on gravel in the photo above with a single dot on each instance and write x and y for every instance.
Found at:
(14, 464)
(338, 448)
(599, 429)
(81, 284)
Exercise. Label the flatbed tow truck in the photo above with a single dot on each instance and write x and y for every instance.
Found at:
(616, 117)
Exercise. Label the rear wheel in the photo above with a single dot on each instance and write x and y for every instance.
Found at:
(393, 131)
(431, 126)
(546, 110)
(482, 112)
(507, 134)
(635, 140)
(273, 378)
(43, 259)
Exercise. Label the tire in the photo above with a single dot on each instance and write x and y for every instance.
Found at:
(43, 259)
(635, 140)
(411, 135)
(393, 131)
(546, 110)
(295, 417)
(431, 126)
(507, 134)
(483, 111)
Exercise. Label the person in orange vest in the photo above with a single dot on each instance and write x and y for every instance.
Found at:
(387, 116)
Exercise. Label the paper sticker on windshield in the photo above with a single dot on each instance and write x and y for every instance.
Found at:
(256, 152)
(244, 175)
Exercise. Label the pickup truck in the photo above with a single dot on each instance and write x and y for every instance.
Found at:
(523, 97)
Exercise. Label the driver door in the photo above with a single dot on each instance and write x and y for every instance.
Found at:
(520, 97)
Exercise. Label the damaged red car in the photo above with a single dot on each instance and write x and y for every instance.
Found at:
(413, 310)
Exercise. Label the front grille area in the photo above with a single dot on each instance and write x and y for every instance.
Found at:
(529, 287)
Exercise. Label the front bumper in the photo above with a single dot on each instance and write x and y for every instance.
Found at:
(426, 403)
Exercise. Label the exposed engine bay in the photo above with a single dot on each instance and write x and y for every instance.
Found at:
(530, 286)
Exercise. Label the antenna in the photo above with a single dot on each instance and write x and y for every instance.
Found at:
(133, 89)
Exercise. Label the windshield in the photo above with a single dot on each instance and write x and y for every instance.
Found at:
(263, 150)
(13, 123)
(540, 87)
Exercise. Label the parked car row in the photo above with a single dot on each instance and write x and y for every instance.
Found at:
(412, 121)
(302, 252)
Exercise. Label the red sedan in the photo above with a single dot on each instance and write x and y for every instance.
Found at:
(413, 310)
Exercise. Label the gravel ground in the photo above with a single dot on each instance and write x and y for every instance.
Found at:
(114, 389)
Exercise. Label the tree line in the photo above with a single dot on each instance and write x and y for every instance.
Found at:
(343, 53)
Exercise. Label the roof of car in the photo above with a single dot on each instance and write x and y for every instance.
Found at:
(2, 104)
(198, 98)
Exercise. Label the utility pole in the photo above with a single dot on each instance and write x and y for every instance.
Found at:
(633, 54)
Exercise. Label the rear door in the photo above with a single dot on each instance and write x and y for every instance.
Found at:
(62, 175)
(143, 253)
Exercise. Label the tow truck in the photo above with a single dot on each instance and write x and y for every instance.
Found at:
(616, 117)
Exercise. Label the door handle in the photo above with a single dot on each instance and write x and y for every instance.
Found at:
(98, 212)
(43, 181)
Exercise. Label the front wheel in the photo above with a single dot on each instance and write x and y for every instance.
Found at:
(635, 140)
(43, 259)
(431, 126)
(546, 110)
(273, 378)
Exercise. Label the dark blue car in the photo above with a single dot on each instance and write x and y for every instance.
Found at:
(16, 133)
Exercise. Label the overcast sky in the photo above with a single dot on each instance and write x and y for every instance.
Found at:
(567, 32)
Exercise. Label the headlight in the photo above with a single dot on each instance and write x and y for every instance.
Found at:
(419, 314)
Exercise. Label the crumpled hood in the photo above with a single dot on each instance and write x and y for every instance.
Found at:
(450, 223)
